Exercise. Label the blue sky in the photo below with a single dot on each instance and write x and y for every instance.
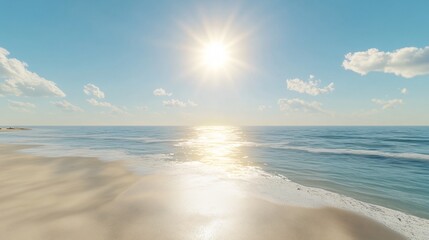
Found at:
(289, 53)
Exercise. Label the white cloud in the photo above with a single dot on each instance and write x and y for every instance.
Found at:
(92, 90)
(311, 87)
(161, 92)
(96, 103)
(173, 103)
(67, 106)
(108, 105)
(295, 104)
(192, 104)
(386, 104)
(404, 91)
(407, 62)
(178, 103)
(263, 108)
(19, 81)
(21, 106)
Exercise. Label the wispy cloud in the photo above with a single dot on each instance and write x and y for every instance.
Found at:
(19, 81)
(92, 90)
(407, 62)
(192, 104)
(263, 108)
(178, 103)
(21, 106)
(404, 91)
(94, 102)
(161, 92)
(173, 103)
(295, 105)
(386, 104)
(95, 92)
(310, 87)
(67, 106)
(142, 108)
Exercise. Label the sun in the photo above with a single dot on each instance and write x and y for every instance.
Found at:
(215, 55)
(215, 51)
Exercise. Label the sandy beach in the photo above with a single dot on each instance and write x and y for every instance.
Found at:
(84, 198)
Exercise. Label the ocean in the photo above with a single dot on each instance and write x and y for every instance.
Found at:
(385, 166)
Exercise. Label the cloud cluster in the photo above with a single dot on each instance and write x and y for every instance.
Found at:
(92, 90)
(178, 103)
(21, 106)
(67, 106)
(311, 87)
(386, 104)
(407, 62)
(19, 81)
(295, 104)
(161, 92)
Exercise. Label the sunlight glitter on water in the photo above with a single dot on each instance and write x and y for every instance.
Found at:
(216, 145)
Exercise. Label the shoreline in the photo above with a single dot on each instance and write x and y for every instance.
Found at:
(43, 196)
(13, 129)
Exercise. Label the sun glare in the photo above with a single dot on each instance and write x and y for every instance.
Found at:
(217, 51)
(215, 55)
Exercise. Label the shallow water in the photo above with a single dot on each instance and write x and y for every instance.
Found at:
(387, 166)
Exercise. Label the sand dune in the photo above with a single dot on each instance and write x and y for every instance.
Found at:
(84, 198)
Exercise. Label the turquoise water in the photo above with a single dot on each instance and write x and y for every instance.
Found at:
(387, 166)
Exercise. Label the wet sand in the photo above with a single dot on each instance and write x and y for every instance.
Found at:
(84, 198)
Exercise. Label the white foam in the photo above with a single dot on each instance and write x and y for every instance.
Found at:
(417, 156)
(292, 193)
(255, 181)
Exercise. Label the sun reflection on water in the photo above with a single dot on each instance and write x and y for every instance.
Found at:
(208, 193)
(204, 193)
(217, 145)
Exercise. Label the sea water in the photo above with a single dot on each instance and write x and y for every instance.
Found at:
(385, 166)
